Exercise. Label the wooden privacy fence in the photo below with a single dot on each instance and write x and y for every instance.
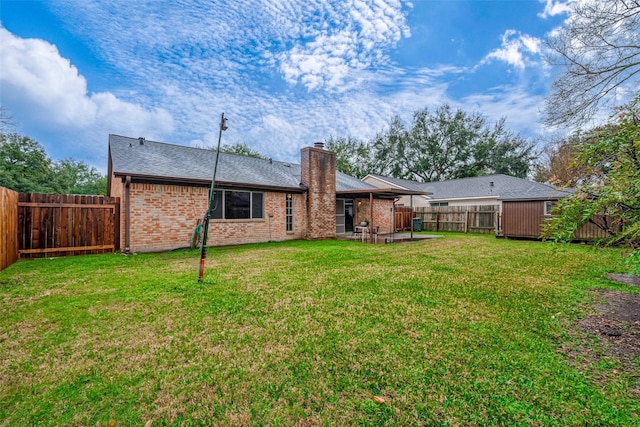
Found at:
(62, 225)
(8, 227)
(465, 219)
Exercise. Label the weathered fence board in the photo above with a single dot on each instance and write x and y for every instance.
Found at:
(62, 225)
(404, 215)
(8, 227)
(465, 219)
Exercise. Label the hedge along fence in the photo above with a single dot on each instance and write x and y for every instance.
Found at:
(63, 225)
(8, 227)
(464, 219)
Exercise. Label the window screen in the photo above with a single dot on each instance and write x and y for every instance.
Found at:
(229, 204)
(237, 204)
(257, 205)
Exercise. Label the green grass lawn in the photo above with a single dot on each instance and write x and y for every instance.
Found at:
(459, 330)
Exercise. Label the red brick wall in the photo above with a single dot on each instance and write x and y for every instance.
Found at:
(318, 172)
(382, 213)
(163, 217)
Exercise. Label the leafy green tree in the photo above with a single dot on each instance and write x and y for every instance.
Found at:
(242, 149)
(26, 168)
(353, 157)
(74, 177)
(612, 187)
(390, 150)
(499, 151)
(24, 165)
(446, 144)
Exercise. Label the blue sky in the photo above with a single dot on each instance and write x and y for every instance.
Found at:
(285, 73)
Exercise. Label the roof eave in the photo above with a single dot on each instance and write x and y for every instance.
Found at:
(207, 182)
(532, 199)
(444, 199)
(380, 178)
(388, 192)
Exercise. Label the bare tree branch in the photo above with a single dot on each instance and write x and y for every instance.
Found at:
(599, 47)
(7, 124)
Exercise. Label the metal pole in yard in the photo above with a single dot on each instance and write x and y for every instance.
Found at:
(207, 216)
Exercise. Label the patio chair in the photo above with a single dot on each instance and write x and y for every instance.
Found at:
(356, 234)
(360, 233)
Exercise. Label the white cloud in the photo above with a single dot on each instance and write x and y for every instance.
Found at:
(39, 85)
(331, 58)
(556, 7)
(517, 50)
(531, 44)
(521, 108)
(286, 73)
(299, 62)
(314, 43)
(35, 74)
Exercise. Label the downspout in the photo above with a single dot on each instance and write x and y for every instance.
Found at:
(127, 215)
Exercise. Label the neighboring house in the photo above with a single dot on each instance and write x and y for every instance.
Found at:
(481, 190)
(400, 184)
(164, 192)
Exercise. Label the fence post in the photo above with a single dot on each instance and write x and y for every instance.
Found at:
(466, 220)
(8, 227)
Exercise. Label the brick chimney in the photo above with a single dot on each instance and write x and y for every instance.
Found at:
(318, 173)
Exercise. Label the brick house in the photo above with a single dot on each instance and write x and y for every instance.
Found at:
(164, 192)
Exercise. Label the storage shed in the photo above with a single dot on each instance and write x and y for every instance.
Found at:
(523, 216)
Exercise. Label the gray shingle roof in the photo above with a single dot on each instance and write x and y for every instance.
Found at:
(538, 193)
(503, 187)
(162, 160)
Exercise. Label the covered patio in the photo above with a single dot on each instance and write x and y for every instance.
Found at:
(369, 215)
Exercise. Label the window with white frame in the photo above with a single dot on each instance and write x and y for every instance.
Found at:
(228, 204)
(547, 207)
(289, 212)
